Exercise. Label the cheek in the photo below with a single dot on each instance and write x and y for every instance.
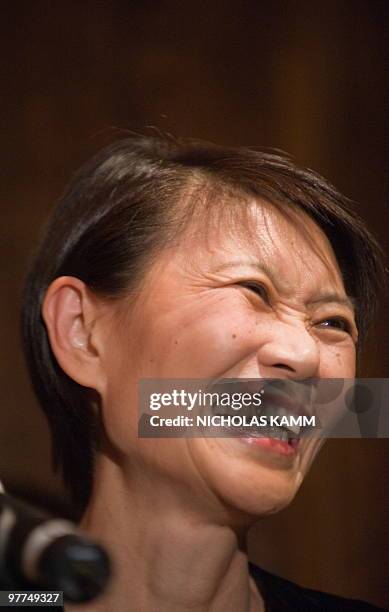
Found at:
(205, 342)
(338, 361)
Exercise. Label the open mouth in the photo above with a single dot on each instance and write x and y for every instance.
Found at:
(282, 433)
(253, 425)
(281, 417)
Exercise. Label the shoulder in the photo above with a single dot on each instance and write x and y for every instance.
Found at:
(283, 595)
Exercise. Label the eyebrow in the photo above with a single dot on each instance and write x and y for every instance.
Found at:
(325, 298)
(334, 297)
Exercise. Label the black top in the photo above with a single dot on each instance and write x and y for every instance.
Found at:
(281, 595)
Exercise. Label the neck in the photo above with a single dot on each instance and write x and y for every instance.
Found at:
(165, 556)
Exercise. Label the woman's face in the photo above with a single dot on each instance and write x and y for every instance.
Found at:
(196, 317)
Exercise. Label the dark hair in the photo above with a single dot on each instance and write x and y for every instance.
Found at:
(120, 209)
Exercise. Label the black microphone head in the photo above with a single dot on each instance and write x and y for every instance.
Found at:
(78, 567)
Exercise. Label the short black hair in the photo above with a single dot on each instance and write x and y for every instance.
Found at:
(120, 210)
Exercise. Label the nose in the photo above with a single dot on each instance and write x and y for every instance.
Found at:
(291, 352)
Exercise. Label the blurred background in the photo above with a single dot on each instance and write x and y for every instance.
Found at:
(310, 78)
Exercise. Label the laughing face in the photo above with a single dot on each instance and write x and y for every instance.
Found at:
(268, 303)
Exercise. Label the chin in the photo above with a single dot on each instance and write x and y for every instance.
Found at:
(260, 497)
(246, 484)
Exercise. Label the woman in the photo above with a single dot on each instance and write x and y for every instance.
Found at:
(183, 259)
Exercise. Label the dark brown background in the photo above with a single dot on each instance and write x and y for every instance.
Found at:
(307, 77)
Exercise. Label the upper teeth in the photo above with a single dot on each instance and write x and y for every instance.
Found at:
(269, 410)
(281, 412)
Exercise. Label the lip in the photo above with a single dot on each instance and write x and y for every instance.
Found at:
(283, 401)
(272, 445)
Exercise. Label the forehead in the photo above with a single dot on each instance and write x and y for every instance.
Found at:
(287, 244)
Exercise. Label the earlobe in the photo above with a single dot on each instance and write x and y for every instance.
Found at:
(67, 311)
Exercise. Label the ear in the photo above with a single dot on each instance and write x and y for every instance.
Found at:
(70, 311)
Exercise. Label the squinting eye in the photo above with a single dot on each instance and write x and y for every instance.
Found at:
(337, 323)
(256, 288)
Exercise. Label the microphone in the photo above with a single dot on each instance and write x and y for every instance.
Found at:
(41, 552)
